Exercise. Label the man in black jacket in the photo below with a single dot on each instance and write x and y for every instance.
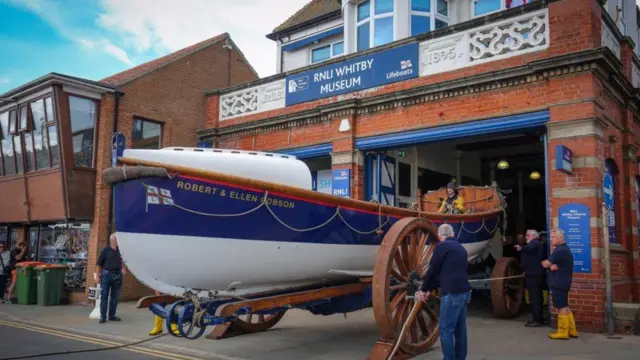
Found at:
(531, 258)
(448, 270)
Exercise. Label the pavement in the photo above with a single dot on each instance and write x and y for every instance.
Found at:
(303, 336)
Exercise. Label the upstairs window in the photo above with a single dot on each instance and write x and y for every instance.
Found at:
(428, 15)
(485, 7)
(83, 123)
(327, 52)
(146, 134)
(374, 23)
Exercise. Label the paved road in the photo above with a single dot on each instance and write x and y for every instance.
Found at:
(20, 341)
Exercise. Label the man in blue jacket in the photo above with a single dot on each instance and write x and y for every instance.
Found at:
(448, 268)
(531, 258)
(560, 267)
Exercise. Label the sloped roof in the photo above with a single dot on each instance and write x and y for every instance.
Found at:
(127, 76)
(313, 9)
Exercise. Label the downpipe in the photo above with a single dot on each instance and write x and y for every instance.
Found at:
(607, 272)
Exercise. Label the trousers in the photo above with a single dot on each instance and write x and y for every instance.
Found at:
(110, 285)
(534, 287)
(453, 325)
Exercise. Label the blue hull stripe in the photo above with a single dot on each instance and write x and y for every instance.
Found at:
(214, 210)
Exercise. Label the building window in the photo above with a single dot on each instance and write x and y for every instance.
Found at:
(66, 244)
(484, 7)
(424, 19)
(146, 134)
(8, 163)
(327, 52)
(83, 121)
(374, 23)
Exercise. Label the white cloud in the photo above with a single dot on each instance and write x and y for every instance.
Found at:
(4, 81)
(116, 52)
(170, 25)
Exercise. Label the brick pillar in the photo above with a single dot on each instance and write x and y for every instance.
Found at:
(345, 155)
(212, 111)
(586, 139)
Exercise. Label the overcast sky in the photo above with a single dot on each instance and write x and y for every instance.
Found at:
(96, 38)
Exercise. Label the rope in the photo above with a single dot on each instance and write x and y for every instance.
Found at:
(266, 204)
(498, 278)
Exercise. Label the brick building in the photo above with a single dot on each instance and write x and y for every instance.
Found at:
(408, 94)
(54, 197)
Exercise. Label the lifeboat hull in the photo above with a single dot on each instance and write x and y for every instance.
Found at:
(188, 233)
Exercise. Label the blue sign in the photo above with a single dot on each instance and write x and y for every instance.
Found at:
(117, 150)
(564, 159)
(363, 72)
(207, 144)
(314, 180)
(341, 183)
(607, 189)
(574, 220)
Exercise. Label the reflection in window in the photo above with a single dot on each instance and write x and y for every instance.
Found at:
(9, 160)
(17, 146)
(483, 7)
(28, 148)
(374, 29)
(424, 19)
(327, 52)
(66, 244)
(23, 118)
(52, 136)
(39, 126)
(146, 134)
(83, 117)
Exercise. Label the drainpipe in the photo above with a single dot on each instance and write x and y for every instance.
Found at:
(607, 270)
(115, 129)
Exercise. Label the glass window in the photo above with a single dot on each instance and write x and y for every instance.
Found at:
(49, 108)
(23, 118)
(364, 10)
(28, 148)
(515, 3)
(146, 134)
(421, 5)
(66, 244)
(321, 54)
(384, 7)
(17, 146)
(383, 31)
(420, 24)
(41, 146)
(443, 7)
(12, 121)
(440, 24)
(338, 48)
(363, 37)
(481, 7)
(52, 136)
(7, 144)
(83, 117)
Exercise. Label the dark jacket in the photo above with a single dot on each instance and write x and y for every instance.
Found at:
(531, 258)
(448, 268)
(562, 278)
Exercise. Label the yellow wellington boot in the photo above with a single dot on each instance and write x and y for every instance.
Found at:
(563, 328)
(174, 329)
(157, 325)
(573, 330)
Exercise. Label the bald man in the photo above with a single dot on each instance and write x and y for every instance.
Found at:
(109, 270)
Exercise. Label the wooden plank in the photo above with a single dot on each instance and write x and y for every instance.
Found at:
(147, 301)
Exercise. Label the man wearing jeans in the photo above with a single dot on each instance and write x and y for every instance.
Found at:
(110, 271)
(448, 268)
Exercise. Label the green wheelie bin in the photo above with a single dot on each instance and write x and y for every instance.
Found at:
(50, 283)
(26, 289)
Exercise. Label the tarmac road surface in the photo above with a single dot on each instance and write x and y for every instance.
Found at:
(21, 341)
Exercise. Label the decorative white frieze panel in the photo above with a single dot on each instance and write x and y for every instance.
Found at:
(609, 40)
(511, 37)
(635, 75)
(253, 100)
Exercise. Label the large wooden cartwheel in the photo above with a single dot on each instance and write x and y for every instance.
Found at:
(507, 294)
(402, 261)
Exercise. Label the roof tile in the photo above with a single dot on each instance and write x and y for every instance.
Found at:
(314, 9)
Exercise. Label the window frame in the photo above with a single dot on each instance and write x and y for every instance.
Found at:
(371, 19)
(143, 119)
(95, 129)
(331, 46)
(433, 15)
(503, 6)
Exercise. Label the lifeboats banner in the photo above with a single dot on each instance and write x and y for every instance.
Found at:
(359, 73)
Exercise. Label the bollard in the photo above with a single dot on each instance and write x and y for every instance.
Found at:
(95, 294)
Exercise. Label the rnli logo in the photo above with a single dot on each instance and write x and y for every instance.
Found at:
(405, 64)
(159, 196)
(298, 84)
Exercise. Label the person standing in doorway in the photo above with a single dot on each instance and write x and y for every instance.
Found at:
(448, 268)
(531, 257)
(5, 269)
(18, 255)
(560, 270)
(110, 271)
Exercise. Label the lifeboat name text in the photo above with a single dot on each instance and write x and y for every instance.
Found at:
(233, 194)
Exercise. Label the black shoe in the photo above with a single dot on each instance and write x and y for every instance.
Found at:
(533, 324)
(102, 320)
(114, 318)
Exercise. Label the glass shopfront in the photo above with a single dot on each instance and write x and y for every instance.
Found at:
(66, 244)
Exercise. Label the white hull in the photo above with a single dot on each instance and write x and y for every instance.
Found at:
(240, 267)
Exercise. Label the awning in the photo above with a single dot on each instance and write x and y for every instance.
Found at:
(304, 42)
(309, 151)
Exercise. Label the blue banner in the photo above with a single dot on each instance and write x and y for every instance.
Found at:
(564, 159)
(363, 72)
(341, 183)
(575, 221)
(118, 144)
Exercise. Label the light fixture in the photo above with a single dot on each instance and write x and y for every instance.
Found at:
(534, 175)
(503, 164)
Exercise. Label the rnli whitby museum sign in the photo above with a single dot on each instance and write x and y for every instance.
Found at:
(363, 72)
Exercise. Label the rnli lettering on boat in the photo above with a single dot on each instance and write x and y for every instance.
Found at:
(233, 194)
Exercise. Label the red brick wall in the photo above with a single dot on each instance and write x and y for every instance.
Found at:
(173, 95)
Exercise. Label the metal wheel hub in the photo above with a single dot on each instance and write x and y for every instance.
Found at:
(414, 282)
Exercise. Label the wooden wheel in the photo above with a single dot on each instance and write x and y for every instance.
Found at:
(402, 261)
(507, 294)
(255, 322)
